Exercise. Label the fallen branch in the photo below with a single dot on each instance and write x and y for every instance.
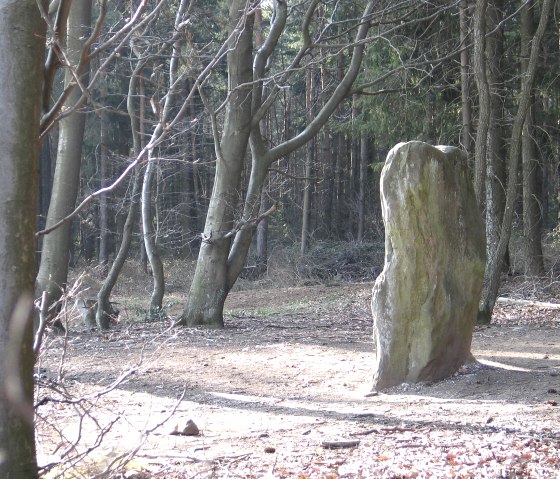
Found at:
(340, 444)
(528, 302)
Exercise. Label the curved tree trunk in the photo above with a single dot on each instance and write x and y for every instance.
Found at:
(149, 232)
(22, 34)
(150, 242)
(104, 309)
(53, 271)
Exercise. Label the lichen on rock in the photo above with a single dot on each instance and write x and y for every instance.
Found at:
(425, 301)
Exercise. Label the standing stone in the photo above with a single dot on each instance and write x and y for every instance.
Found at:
(425, 301)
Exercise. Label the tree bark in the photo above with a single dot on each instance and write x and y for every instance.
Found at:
(308, 167)
(103, 253)
(150, 241)
(466, 104)
(53, 271)
(531, 166)
(479, 63)
(210, 286)
(22, 34)
(364, 156)
(496, 148)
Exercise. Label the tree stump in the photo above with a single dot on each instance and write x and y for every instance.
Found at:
(425, 301)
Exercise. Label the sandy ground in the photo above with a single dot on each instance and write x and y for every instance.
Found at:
(284, 386)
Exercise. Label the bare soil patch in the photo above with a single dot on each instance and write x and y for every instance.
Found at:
(290, 374)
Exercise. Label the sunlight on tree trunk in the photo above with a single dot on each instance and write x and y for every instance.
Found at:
(53, 271)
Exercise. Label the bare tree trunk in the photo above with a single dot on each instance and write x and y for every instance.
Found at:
(104, 309)
(53, 271)
(479, 62)
(364, 157)
(490, 292)
(22, 34)
(150, 241)
(262, 235)
(150, 175)
(496, 148)
(466, 105)
(210, 287)
(103, 254)
(142, 140)
(531, 167)
(309, 160)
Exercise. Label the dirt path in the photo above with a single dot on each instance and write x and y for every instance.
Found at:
(291, 372)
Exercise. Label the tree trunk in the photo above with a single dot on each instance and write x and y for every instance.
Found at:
(218, 267)
(308, 168)
(466, 105)
(490, 293)
(496, 148)
(150, 176)
(53, 271)
(104, 309)
(22, 34)
(142, 142)
(210, 287)
(103, 253)
(364, 156)
(479, 62)
(262, 236)
(531, 166)
(150, 241)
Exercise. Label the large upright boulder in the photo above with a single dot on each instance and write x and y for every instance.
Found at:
(425, 302)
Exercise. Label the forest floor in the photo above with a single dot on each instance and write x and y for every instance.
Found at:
(282, 392)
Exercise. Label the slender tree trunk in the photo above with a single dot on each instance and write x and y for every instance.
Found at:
(364, 157)
(479, 62)
(151, 176)
(142, 140)
(104, 309)
(309, 160)
(496, 148)
(339, 161)
(22, 34)
(354, 168)
(53, 271)
(531, 167)
(150, 240)
(490, 292)
(103, 254)
(262, 235)
(466, 104)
